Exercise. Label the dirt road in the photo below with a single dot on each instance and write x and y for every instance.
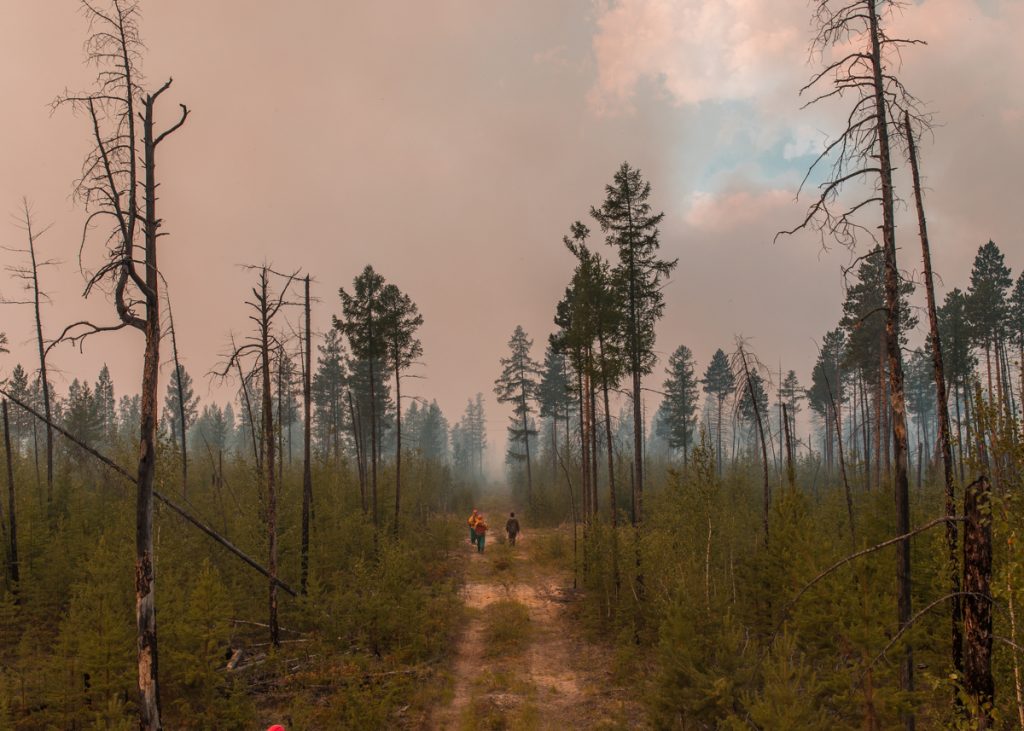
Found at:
(521, 662)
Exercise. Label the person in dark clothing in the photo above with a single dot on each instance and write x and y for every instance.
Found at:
(512, 529)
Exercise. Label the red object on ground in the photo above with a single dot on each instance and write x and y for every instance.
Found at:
(276, 727)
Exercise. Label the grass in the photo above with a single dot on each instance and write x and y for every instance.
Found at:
(553, 547)
(501, 701)
(506, 628)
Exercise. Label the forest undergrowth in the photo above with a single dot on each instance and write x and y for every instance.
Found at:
(730, 629)
(364, 647)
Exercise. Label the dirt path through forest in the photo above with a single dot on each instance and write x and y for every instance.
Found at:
(521, 662)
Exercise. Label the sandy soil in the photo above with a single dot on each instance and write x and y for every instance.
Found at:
(556, 680)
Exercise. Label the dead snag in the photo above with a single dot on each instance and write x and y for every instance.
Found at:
(111, 187)
(30, 276)
(307, 467)
(266, 305)
(977, 604)
(942, 403)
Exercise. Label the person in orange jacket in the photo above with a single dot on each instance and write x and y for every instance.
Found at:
(481, 533)
(474, 516)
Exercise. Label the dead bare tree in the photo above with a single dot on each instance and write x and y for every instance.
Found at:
(307, 432)
(266, 305)
(862, 68)
(942, 405)
(744, 364)
(110, 188)
(30, 276)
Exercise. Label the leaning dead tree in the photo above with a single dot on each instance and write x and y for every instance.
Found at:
(255, 351)
(118, 188)
(182, 418)
(859, 56)
(745, 366)
(28, 273)
(942, 403)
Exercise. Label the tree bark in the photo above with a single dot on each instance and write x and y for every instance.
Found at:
(43, 378)
(145, 600)
(892, 341)
(307, 432)
(526, 439)
(398, 438)
(942, 411)
(269, 447)
(977, 606)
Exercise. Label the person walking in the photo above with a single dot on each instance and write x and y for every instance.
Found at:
(512, 529)
(481, 534)
(474, 516)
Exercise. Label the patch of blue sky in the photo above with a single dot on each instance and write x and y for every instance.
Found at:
(746, 146)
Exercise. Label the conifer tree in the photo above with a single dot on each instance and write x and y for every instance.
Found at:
(595, 308)
(518, 385)
(681, 400)
(469, 439)
(1016, 330)
(988, 309)
(828, 392)
(328, 395)
(362, 323)
(958, 360)
(401, 320)
(554, 394)
(719, 382)
(631, 227)
(791, 394)
(174, 405)
(106, 406)
(433, 433)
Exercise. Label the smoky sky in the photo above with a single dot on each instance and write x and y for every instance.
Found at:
(451, 143)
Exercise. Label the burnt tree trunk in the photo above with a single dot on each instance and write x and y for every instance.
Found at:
(977, 605)
(898, 416)
(44, 383)
(398, 439)
(269, 448)
(307, 433)
(766, 497)
(145, 600)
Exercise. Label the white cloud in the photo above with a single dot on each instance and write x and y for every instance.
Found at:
(697, 50)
